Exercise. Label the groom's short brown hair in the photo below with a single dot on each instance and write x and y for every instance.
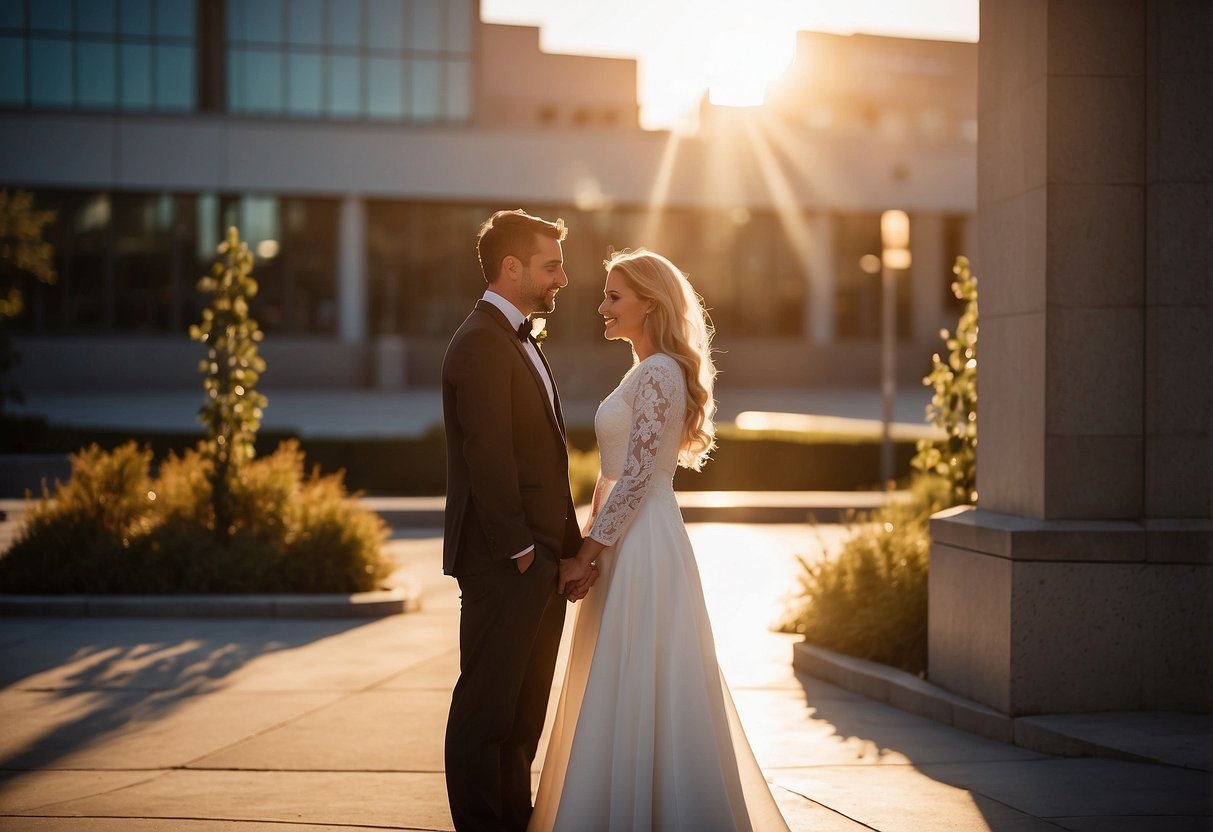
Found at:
(512, 232)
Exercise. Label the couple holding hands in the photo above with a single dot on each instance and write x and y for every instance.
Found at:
(645, 734)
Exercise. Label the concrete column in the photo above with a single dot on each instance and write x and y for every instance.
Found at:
(351, 275)
(822, 290)
(931, 274)
(1090, 555)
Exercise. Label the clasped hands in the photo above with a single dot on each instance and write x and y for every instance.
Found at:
(578, 573)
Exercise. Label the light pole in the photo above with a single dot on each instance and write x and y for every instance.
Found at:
(895, 254)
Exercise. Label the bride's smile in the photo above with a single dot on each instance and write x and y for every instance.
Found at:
(623, 311)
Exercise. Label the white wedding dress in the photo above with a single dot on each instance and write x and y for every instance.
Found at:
(645, 735)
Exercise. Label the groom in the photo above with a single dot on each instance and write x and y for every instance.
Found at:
(509, 519)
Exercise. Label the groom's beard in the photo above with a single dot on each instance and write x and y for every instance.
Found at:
(541, 300)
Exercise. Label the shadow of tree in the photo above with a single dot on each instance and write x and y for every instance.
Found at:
(102, 675)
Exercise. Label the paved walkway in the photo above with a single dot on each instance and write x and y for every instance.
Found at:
(189, 725)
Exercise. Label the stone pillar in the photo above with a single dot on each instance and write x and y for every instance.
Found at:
(1083, 580)
(820, 309)
(351, 275)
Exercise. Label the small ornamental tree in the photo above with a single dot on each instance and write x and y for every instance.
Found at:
(233, 408)
(953, 406)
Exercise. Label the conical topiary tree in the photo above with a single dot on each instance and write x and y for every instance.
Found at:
(953, 406)
(233, 408)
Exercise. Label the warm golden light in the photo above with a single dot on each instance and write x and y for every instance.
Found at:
(746, 53)
(895, 237)
(895, 229)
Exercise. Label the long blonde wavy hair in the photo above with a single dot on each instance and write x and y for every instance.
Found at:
(678, 326)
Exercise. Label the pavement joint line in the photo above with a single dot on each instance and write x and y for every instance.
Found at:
(828, 808)
(156, 774)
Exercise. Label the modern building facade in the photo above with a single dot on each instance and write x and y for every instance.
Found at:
(358, 145)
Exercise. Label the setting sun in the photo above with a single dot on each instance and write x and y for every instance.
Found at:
(744, 55)
(729, 51)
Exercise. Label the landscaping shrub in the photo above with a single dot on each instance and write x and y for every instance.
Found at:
(216, 518)
(112, 528)
(870, 600)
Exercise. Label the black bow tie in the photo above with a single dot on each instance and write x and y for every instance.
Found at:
(524, 329)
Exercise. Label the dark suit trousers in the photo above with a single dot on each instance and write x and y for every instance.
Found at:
(509, 633)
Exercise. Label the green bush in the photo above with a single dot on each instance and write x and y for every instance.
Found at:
(953, 404)
(113, 528)
(870, 600)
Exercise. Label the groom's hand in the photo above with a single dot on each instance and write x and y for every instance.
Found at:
(572, 574)
(524, 562)
(576, 578)
(582, 589)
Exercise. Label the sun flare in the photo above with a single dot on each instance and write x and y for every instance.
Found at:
(745, 55)
(729, 54)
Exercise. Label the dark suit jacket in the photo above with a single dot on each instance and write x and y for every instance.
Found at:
(507, 484)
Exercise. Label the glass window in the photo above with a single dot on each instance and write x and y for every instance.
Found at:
(385, 88)
(136, 17)
(345, 84)
(425, 93)
(174, 78)
(136, 63)
(97, 74)
(345, 24)
(425, 31)
(305, 84)
(262, 21)
(50, 72)
(12, 14)
(306, 23)
(459, 27)
(51, 15)
(458, 90)
(99, 16)
(387, 29)
(355, 58)
(175, 18)
(12, 70)
(103, 56)
(262, 82)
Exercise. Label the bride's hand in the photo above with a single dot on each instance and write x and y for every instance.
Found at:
(578, 574)
(573, 574)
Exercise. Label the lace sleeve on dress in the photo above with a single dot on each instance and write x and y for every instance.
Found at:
(651, 415)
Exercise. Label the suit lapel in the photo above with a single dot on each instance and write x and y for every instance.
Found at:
(555, 390)
(553, 413)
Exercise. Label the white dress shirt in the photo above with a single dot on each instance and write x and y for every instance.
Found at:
(515, 317)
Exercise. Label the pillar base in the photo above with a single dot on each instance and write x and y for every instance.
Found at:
(1061, 616)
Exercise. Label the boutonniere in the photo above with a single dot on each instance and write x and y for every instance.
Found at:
(539, 329)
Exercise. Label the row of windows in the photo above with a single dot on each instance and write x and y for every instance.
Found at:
(127, 18)
(395, 60)
(376, 25)
(129, 263)
(347, 86)
(97, 54)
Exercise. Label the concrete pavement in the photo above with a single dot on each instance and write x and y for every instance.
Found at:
(272, 725)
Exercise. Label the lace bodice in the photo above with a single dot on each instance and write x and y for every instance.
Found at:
(639, 431)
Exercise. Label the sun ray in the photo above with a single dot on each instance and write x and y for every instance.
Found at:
(660, 194)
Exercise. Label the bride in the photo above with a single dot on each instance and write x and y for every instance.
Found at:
(645, 735)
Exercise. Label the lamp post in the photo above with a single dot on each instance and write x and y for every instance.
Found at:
(895, 245)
